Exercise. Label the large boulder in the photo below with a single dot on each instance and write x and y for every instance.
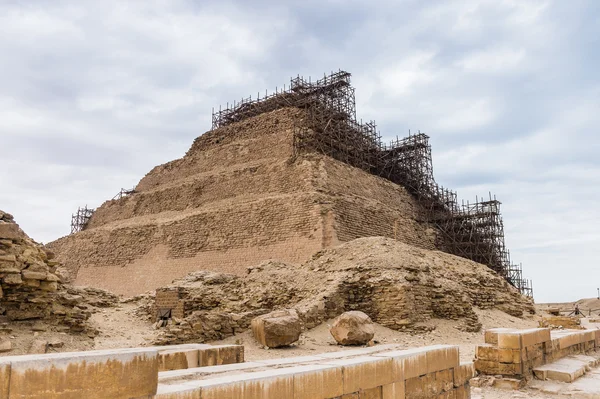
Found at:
(279, 328)
(353, 328)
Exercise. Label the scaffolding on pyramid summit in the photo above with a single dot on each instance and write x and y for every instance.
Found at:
(473, 230)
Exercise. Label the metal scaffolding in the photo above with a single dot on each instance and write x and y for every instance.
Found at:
(473, 231)
(80, 219)
(124, 193)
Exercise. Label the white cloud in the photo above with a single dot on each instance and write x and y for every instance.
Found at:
(494, 60)
(467, 114)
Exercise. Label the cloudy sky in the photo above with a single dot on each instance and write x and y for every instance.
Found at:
(93, 94)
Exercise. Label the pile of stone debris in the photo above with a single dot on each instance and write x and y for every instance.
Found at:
(33, 285)
(399, 286)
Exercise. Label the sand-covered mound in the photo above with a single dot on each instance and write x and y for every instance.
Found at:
(400, 286)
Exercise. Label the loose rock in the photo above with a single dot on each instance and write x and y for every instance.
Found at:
(5, 346)
(39, 346)
(276, 329)
(353, 328)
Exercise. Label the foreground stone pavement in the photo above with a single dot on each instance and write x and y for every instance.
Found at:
(586, 387)
(218, 372)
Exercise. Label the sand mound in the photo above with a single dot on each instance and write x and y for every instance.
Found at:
(399, 286)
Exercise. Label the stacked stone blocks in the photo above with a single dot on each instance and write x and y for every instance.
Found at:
(101, 374)
(516, 353)
(429, 372)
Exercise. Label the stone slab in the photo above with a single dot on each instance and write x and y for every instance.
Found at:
(119, 374)
(564, 370)
(408, 363)
(177, 359)
(173, 375)
(364, 372)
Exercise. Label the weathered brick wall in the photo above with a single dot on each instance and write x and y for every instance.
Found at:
(243, 183)
(259, 139)
(229, 239)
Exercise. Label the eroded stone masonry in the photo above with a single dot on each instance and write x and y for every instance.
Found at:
(32, 283)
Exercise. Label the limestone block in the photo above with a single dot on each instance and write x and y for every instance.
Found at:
(487, 352)
(444, 380)
(509, 340)
(6, 268)
(393, 391)
(364, 372)
(11, 231)
(510, 383)
(118, 374)
(589, 336)
(441, 357)
(486, 367)
(352, 328)
(8, 259)
(534, 336)
(38, 346)
(276, 329)
(28, 274)
(568, 340)
(4, 379)
(510, 369)
(371, 393)
(510, 355)
(463, 373)
(208, 357)
(271, 384)
(491, 335)
(31, 283)
(49, 286)
(12, 279)
(407, 363)
(422, 387)
(5, 346)
(269, 387)
(447, 395)
(317, 382)
(534, 352)
(177, 391)
(463, 392)
(220, 354)
(230, 354)
(177, 359)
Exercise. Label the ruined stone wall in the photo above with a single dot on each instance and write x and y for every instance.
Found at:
(367, 206)
(227, 239)
(32, 284)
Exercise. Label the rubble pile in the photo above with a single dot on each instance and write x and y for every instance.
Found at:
(33, 286)
(397, 285)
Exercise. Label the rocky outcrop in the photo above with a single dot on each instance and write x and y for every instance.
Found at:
(399, 286)
(353, 328)
(31, 288)
(277, 329)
